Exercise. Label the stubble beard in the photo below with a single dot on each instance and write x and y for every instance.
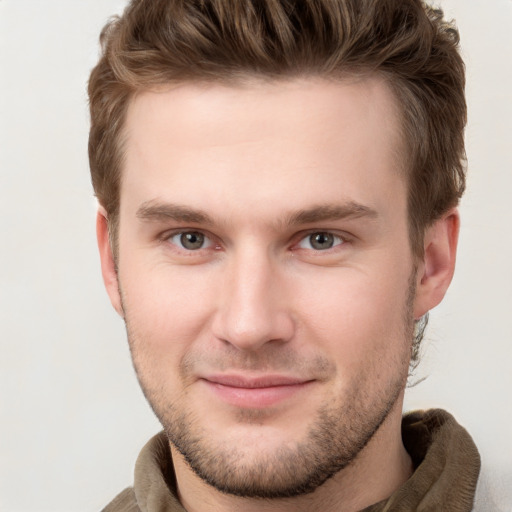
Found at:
(333, 442)
(336, 437)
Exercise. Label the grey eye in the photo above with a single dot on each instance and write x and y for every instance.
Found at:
(190, 240)
(320, 241)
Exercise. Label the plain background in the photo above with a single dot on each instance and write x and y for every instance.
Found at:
(72, 417)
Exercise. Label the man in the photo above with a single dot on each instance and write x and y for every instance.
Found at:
(278, 184)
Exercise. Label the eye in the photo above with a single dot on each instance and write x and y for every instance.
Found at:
(191, 240)
(320, 241)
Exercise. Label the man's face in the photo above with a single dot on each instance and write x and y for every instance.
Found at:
(265, 275)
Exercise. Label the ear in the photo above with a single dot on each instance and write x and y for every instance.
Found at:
(436, 270)
(108, 266)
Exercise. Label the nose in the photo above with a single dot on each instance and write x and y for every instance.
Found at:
(253, 309)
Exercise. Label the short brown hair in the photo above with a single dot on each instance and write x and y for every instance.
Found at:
(407, 42)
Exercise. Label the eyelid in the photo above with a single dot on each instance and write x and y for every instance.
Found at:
(206, 242)
(342, 235)
(216, 243)
(167, 237)
(337, 240)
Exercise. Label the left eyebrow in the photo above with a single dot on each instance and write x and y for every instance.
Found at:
(322, 213)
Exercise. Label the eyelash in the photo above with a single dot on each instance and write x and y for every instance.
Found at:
(339, 240)
(168, 238)
(336, 239)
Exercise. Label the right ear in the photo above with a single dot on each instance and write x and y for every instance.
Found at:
(108, 266)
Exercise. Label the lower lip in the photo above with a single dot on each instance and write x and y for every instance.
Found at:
(256, 398)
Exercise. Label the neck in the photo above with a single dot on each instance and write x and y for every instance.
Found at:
(380, 468)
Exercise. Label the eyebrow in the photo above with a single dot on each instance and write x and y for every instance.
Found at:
(160, 211)
(322, 213)
(157, 211)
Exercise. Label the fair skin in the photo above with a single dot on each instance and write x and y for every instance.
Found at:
(269, 289)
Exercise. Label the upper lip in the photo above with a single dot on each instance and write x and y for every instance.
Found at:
(264, 381)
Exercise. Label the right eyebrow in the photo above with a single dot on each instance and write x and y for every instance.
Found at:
(157, 211)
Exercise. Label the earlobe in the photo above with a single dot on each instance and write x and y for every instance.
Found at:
(108, 267)
(436, 270)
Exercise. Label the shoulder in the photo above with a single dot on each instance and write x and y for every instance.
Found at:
(123, 502)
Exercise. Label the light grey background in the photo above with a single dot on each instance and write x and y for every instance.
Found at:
(72, 418)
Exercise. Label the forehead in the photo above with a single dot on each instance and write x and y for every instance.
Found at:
(277, 142)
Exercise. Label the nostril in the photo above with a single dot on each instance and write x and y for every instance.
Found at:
(252, 333)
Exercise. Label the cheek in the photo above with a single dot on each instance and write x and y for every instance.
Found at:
(166, 314)
(166, 308)
(355, 313)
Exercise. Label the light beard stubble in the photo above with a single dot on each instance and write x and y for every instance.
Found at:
(337, 436)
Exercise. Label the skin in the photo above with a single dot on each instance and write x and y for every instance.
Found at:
(255, 171)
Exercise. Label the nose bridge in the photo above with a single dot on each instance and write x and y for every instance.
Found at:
(253, 309)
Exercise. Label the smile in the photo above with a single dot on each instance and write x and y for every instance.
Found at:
(255, 393)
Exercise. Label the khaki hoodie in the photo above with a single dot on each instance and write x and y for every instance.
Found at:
(445, 459)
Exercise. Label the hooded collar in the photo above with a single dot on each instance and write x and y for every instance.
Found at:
(445, 459)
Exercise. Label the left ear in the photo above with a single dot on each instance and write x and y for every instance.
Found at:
(436, 270)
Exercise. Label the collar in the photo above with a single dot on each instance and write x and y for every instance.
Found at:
(446, 463)
(445, 458)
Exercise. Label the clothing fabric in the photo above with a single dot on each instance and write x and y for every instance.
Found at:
(444, 456)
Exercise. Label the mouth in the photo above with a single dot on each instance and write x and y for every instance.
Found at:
(255, 392)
